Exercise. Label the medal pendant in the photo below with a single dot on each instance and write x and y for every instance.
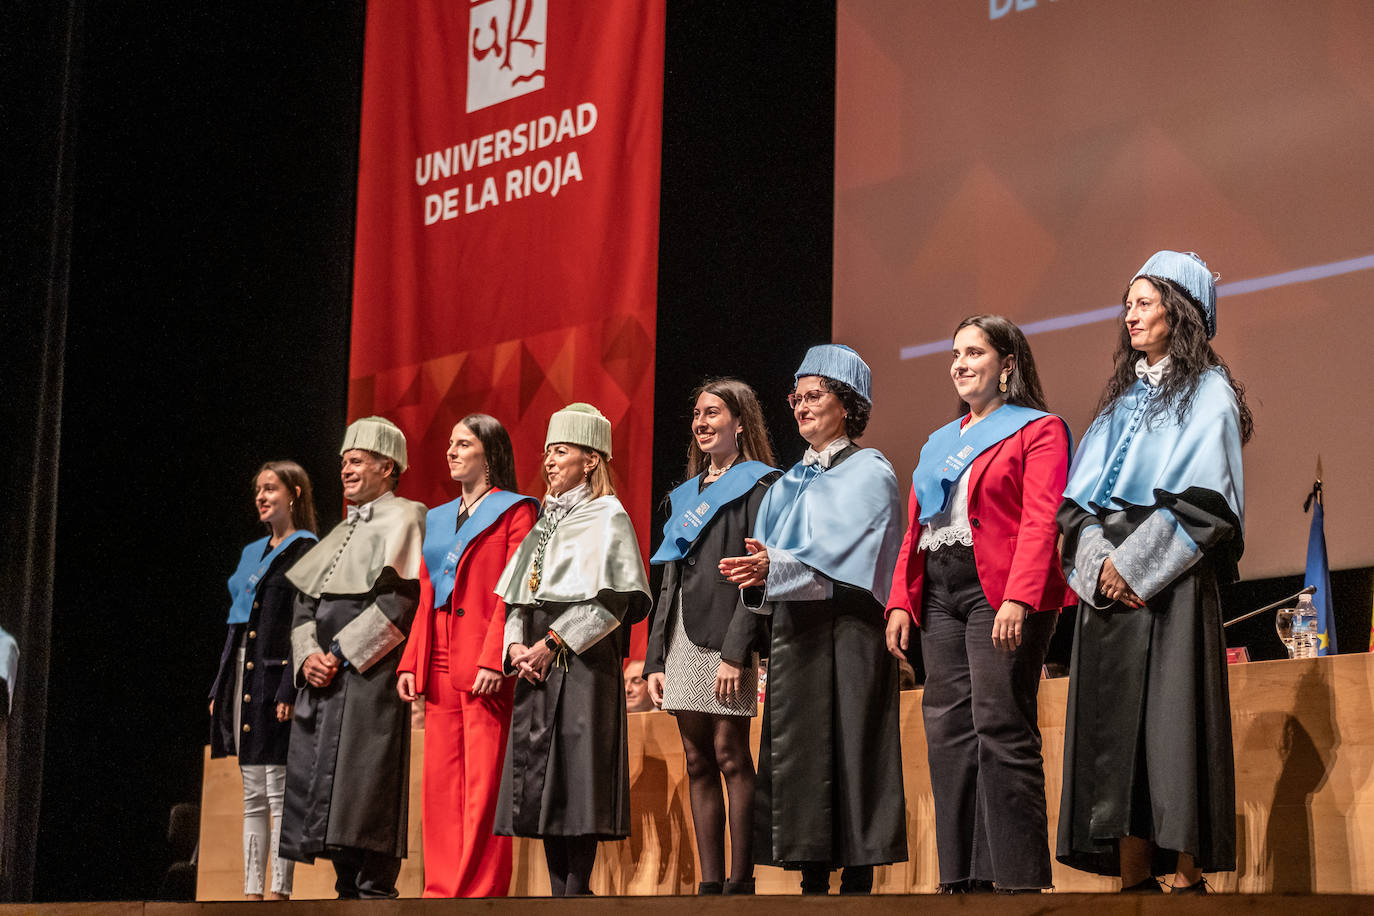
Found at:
(534, 580)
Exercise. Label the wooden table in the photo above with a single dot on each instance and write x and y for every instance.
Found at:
(1304, 744)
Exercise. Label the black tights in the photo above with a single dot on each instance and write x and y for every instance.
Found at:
(717, 746)
(570, 860)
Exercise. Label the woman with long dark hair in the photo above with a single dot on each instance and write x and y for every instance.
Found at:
(829, 788)
(979, 573)
(253, 695)
(1152, 520)
(704, 643)
(572, 590)
(453, 659)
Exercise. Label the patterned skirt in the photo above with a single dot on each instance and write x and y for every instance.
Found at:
(689, 676)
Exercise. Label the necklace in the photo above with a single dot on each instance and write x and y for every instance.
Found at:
(468, 506)
(713, 471)
(537, 563)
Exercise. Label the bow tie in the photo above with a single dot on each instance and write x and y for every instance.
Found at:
(813, 457)
(360, 513)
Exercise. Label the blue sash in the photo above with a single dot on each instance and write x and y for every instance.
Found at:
(692, 508)
(243, 584)
(947, 454)
(443, 548)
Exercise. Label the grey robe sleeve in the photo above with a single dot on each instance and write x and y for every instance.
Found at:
(586, 623)
(1155, 554)
(789, 579)
(1092, 550)
(367, 638)
(304, 642)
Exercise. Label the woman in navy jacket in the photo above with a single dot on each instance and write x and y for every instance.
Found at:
(253, 695)
(979, 572)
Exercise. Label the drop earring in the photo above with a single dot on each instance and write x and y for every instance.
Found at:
(1002, 381)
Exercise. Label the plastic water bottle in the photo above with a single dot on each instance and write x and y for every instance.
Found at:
(1305, 628)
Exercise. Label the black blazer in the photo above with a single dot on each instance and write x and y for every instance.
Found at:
(713, 613)
(266, 677)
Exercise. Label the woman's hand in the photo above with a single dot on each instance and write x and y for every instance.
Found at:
(728, 685)
(898, 632)
(1006, 626)
(212, 707)
(487, 682)
(1114, 588)
(284, 711)
(747, 572)
(533, 663)
(655, 684)
(405, 686)
(320, 668)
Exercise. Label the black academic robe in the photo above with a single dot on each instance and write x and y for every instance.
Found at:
(348, 770)
(1147, 745)
(829, 788)
(567, 769)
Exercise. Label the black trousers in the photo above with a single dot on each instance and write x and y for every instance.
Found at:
(979, 707)
(363, 874)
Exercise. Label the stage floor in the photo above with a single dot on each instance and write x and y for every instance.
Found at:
(878, 905)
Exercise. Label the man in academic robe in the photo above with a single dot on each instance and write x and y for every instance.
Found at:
(348, 768)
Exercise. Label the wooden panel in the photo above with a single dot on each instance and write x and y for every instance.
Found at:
(219, 873)
(1304, 741)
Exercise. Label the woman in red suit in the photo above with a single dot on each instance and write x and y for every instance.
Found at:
(979, 573)
(453, 659)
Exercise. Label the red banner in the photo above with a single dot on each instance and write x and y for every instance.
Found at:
(507, 238)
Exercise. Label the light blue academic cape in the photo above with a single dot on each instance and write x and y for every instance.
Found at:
(845, 522)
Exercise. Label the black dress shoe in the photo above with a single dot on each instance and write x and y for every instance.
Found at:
(744, 886)
(1199, 888)
(1148, 886)
(710, 888)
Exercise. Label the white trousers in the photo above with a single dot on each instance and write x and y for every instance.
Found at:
(263, 789)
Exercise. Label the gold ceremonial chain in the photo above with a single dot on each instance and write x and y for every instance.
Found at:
(537, 566)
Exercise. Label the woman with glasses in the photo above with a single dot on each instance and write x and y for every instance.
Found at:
(829, 791)
(702, 659)
(979, 573)
(1152, 520)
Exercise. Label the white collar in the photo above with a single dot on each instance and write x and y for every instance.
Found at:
(560, 504)
(364, 511)
(1152, 375)
(826, 455)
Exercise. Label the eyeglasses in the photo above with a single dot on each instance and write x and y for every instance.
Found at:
(810, 399)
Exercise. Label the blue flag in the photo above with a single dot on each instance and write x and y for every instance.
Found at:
(1319, 574)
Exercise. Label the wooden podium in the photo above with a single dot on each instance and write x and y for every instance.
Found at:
(1304, 744)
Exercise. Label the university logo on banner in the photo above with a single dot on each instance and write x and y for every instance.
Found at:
(506, 44)
(507, 228)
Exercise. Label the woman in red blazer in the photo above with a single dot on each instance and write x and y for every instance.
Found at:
(979, 573)
(453, 658)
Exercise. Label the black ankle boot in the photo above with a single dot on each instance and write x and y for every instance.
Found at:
(710, 888)
(743, 886)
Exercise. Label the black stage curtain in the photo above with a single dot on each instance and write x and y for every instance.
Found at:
(40, 50)
(746, 211)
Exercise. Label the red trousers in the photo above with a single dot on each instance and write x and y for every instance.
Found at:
(465, 747)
